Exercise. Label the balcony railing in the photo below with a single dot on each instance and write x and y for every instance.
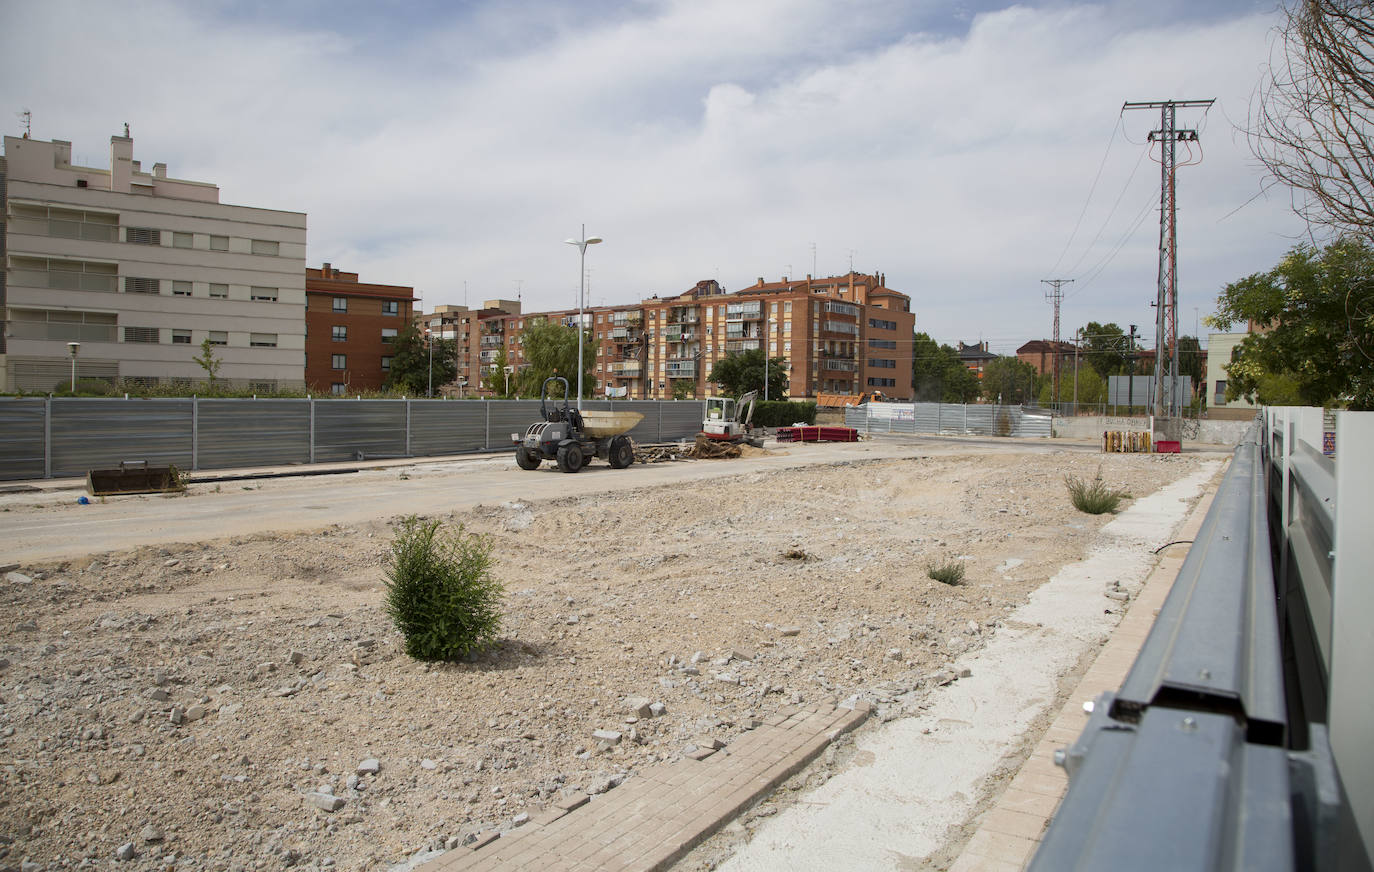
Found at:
(741, 345)
(841, 365)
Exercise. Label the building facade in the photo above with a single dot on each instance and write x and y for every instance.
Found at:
(140, 269)
(1045, 356)
(1219, 348)
(844, 334)
(350, 327)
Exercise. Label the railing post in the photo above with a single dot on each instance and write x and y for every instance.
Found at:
(311, 401)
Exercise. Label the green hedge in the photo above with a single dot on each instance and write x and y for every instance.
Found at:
(783, 413)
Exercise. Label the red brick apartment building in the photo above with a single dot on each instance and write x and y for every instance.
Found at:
(349, 329)
(1045, 356)
(842, 334)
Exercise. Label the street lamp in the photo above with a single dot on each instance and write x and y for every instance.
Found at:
(508, 370)
(73, 348)
(581, 292)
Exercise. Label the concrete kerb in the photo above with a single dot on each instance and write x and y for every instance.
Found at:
(660, 815)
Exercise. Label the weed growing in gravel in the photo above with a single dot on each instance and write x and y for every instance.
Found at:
(1094, 497)
(951, 572)
(440, 591)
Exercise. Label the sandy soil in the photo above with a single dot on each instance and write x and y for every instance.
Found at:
(182, 703)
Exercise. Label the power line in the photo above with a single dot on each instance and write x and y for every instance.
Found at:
(1091, 189)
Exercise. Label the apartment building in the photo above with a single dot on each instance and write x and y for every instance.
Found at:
(1046, 356)
(350, 328)
(140, 268)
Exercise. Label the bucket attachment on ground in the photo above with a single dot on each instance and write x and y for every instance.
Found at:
(134, 477)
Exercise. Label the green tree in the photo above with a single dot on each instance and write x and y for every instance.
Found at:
(1009, 380)
(494, 376)
(1319, 306)
(939, 376)
(1091, 388)
(551, 349)
(742, 371)
(1105, 349)
(208, 361)
(684, 389)
(410, 363)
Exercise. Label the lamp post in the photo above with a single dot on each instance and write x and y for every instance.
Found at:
(73, 348)
(581, 292)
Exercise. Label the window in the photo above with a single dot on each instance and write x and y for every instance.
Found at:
(338, 388)
(140, 334)
(183, 240)
(388, 334)
(181, 289)
(218, 291)
(882, 363)
(391, 307)
(181, 337)
(880, 324)
(219, 243)
(262, 340)
(338, 361)
(133, 285)
(62, 325)
(386, 364)
(219, 337)
(1220, 398)
(143, 235)
(882, 382)
(262, 295)
(340, 333)
(882, 343)
(266, 247)
(341, 304)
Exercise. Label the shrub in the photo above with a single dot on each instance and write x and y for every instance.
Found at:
(1093, 497)
(951, 572)
(441, 593)
(782, 413)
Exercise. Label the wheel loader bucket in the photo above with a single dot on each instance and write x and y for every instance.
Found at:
(134, 477)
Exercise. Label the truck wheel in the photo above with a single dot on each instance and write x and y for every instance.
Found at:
(570, 457)
(526, 458)
(622, 452)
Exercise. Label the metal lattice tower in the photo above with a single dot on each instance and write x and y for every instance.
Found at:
(1056, 295)
(1166, 314)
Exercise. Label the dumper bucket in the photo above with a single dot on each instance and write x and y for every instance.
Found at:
(134, 477)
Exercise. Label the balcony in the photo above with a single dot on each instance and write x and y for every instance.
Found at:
(492, 340)
(835, 307)
(744, 311)
(626, 368)
(679, 334)
(683, 315)
(493, 327)
(489, 356)
(741, 345)
(842, 327)
(841, 365)
(626, 319)
(681, 369)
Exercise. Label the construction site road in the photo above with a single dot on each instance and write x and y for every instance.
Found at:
(49, 523)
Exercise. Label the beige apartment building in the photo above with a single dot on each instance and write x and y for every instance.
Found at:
(140, 269)
(843, 334)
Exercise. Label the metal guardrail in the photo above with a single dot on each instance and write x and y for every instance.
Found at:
(1238, 739)
(54, 437)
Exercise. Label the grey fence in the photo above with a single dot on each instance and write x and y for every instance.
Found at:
(949, 419)
(1240, 737)
(51, 437)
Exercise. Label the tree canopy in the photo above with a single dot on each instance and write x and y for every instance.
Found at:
(742, 371)
(410, 363)
(1009, 380)
(1312, 122)
(939, 375)
(1318, 307)
(550, 348)
(1106, 348)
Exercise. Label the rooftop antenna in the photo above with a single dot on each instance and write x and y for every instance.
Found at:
(126, 130)
(813, 260)
(851, 260)
(465, 293)
(519, 288)
(27, 117)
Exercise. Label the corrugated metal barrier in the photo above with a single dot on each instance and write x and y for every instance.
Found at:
(61, 437)
(877, 419)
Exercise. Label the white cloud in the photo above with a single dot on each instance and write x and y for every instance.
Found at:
(705, 139)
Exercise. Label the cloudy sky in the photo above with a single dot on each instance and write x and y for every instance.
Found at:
(967, 150)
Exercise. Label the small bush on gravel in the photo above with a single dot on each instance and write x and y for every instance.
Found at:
(1093, 497)
(441, 593)
(951, 572)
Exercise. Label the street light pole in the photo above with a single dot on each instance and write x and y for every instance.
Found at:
(581, 292)
(73, 348)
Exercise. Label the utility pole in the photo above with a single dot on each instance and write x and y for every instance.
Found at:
(1056, 296)
(1166, 313)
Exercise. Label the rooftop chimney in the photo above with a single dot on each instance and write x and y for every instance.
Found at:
(325, 271)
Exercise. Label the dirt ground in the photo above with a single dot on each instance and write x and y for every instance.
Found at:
(195, 705)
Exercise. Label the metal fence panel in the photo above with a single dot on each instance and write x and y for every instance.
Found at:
(505, 417)
(1033, 424)
(21, 437)
(681, 420)
(100, 433)
(359, 429)
(447, 427)
(236, 433)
